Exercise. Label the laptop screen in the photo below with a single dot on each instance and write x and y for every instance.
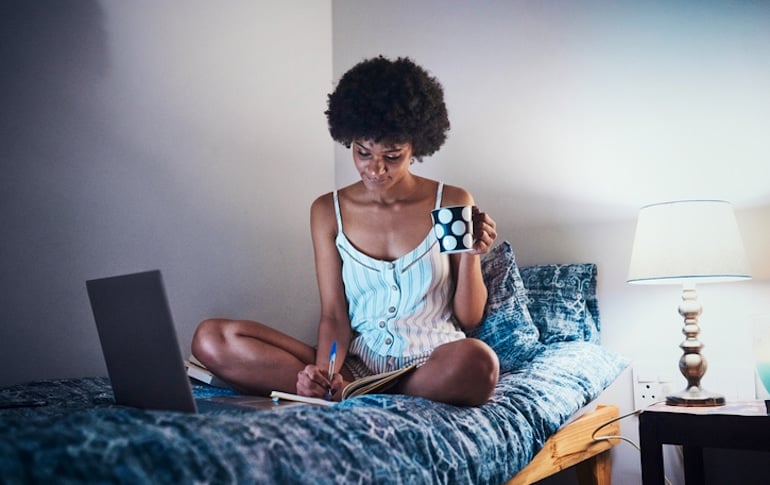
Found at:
(139, 342)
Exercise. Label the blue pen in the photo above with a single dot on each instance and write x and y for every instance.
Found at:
(332, 359)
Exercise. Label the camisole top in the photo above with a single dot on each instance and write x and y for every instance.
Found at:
(399, 310)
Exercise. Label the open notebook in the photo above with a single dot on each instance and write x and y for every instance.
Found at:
(377, 383)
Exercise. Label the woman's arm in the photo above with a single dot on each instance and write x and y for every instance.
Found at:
(334, 323)
(470, 292)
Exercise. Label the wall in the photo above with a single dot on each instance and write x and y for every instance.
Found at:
(569, 116)
(141, 135)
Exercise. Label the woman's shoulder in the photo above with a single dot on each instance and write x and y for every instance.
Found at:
(323, 207)
(456, 195)
(450, 194)
(323, 201)
(322, 217)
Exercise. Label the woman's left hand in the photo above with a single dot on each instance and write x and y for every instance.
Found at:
(484, 232)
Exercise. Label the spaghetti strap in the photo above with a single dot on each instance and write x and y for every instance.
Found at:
(337, 212)
(438, 194)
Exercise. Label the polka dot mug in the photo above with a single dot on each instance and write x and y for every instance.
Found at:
(453, 227)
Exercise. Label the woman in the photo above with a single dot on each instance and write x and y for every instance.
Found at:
(388, 296)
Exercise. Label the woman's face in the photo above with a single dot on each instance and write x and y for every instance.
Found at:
(381, 165)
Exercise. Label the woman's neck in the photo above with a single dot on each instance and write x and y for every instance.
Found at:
(401, 191)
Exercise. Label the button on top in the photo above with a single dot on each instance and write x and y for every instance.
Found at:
(388, 341)
(391, 265)
(394, 288)
(392, 309)
(382, 324)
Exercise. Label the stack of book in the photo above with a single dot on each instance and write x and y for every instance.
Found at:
(200, 373)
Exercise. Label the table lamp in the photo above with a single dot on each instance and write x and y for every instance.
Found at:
(684, 243)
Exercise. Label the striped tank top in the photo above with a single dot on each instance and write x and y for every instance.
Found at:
(399, 310)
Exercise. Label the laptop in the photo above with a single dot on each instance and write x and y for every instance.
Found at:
(141, 350)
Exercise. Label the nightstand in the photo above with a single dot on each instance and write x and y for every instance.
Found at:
(743, 425)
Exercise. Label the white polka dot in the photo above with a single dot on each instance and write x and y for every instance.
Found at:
(458, 228)
(467, 213)
(439, 230)
(468, 241)
(449, 243)
(444, 216)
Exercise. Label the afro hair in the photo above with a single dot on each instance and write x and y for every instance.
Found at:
(392, 101)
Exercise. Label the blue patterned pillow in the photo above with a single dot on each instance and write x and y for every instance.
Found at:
(507, 326)
(562, 301)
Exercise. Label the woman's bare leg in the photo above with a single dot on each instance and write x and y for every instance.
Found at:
(250, 356)
(463, 373)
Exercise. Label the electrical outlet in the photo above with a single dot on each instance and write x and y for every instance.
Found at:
(649, 387)
(647, 393)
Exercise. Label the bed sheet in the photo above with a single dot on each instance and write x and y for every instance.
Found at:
(81, 436)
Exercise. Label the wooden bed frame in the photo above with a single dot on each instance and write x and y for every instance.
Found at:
(574, 445)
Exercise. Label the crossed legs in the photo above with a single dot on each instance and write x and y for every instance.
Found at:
(256, 359)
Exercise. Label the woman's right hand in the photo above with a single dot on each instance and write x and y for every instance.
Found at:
(312, 382)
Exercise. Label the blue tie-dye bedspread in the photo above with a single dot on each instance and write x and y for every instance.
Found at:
(81, 436)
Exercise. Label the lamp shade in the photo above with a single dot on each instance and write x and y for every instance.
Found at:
(687, 242)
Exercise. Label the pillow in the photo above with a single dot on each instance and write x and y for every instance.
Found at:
(562, 301)
(507, 326)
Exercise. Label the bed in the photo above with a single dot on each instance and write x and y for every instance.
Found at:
(542, 321)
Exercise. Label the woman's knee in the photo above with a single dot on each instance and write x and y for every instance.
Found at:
(469, 370)
(482, 367)
(208, 341)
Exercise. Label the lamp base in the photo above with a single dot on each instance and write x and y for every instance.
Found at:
(692, 364)
(695, 397)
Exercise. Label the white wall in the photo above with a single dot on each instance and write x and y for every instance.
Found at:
(568, 116)
(140, 135)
